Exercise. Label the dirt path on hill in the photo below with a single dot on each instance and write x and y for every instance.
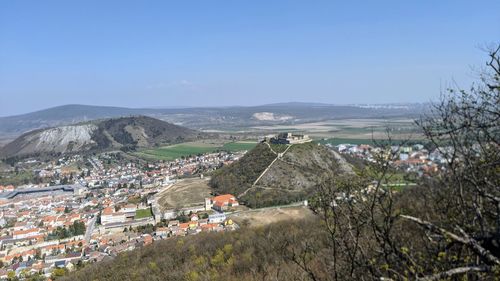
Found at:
(278, 156)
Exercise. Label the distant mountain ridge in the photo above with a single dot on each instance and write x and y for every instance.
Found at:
(126, 133)
(204, 117)
(61, 115)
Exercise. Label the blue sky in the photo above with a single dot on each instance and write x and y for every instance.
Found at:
(208, 53)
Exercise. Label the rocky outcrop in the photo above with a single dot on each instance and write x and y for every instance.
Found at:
(119, 133)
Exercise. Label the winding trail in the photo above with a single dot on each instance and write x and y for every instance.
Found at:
(278, 156)
(272, 150)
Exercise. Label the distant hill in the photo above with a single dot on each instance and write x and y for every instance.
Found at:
(62, 115)
(205, 118)
(290, 178)
(126, 133)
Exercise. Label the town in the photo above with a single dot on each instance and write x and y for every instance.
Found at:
(90, 208)
(415, 159)
(65, 216)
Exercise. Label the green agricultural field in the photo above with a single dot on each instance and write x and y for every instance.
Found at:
(178, 151)
(143, 213)
(337, 141)
(239, 146)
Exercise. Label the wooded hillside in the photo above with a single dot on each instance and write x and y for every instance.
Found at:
(291, 178)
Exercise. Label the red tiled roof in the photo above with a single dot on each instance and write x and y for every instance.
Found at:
(107, 211)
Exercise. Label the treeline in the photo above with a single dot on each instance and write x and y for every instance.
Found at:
(261, 198)
(246, 254)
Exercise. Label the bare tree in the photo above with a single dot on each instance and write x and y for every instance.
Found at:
(449, 226)
(465, 128)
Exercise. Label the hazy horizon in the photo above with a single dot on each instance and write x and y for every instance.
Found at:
(215, 106)
(206, 54)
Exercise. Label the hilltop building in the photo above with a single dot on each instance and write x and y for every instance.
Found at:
(289, 138)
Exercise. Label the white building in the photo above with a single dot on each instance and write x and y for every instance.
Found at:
(109, 216)
(217, 218)
(21, 234)
(129, 208)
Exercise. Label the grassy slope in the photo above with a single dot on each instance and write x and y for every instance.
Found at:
(293, 177)
(290, 179)
(240, 175)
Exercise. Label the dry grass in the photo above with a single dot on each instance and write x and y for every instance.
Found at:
(271, 215)
(185, 193)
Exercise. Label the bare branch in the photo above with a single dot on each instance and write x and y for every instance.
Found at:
(455, 271)
(464, 239)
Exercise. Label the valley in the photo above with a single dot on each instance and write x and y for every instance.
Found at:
(187, 149)
(144, 182)
(249, 140)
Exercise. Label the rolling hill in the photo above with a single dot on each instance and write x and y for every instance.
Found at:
(289, 178)
(126, 133)
(213, 118)
(61, 115)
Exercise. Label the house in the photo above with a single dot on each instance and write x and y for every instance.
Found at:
(28, 233)
(56, 248)
(184, 226)
(194, 217)
(173, 223)
(216, 218)
(162, 231)
(20, 226)
(49, 220)
(63, 258)
(109, 216)
(148, 239)
(219, 206)
(129, 208)
(73, 217)
(221, 202)
(7, 188)
(208, 227)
